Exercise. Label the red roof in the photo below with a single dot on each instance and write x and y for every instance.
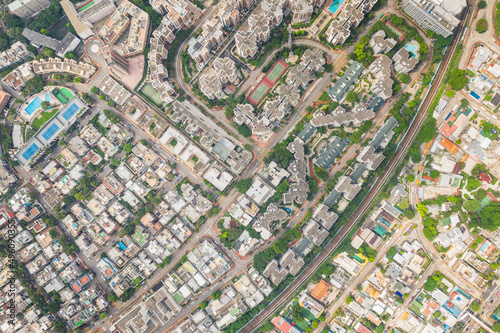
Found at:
(281, 324)
(491, 196)
(362, 329)
(484, 177)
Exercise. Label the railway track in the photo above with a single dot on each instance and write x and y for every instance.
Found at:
(400, 153)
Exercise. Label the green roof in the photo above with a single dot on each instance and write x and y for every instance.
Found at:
(380, 231)
(444, 222)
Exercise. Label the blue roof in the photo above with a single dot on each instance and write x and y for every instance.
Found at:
(50, 131)
(70, 111)
(122, 245)
(28, 154)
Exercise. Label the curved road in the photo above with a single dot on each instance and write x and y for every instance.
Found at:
(219, 115)
(372, 195)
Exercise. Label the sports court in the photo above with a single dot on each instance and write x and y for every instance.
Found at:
(267, 82)
(49, 133)
(28, 154)
(70, 111)
(275, 72)
(259, 92)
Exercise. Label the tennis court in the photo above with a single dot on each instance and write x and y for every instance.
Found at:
(59, 95)
(259, 92)
(28, 154)
(275, 72)
(49, 132)
(70, 111)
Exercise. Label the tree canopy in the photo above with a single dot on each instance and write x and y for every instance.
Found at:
(458, 79)
(243, 185)
(244, 130)
(490, 216)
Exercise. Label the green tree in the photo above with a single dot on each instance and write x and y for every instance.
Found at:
(410, 178)
(430, 284)
(464, 102)
(321, 173)
(352, 97)
(112, 297)
(391, 252)
(490, 216)
(458, 79)
(404, 78)
(297, 312)
(482, 25)
(33, 86)
(482, 4)
(475, 306)
(77, 80)
(203, 304)
(244, 130)
(349, 299)
(103, 315)
(45, 105)
(243, 185)
(53, 233)
(216, 294)
(267, 327)
(68, 200)
(434, 174)
(94, 90)
(472, 205)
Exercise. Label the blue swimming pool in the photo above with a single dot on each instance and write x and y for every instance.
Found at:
(35, 104)
(412, 49)
(473, 94)
(335, 6)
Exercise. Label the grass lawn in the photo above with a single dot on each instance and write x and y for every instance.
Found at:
(152, 94)
(43, 118)
(403, 204)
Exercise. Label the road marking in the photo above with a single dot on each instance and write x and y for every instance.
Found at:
(263, 154)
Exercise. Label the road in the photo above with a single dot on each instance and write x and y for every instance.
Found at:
(400, 153)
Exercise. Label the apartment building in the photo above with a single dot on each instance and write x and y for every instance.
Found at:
(349, 18)
(61, 47)
(84, 18)
(438, 16)
(27, 8)
(381, 69)
(178, 12)
(404, 62)
(116, 63)
(68, 66)
(258, 27)
(158, 75)
(303, 9)
(223, 72)
(127, 17)
(380, 44)
(16, 53)
(212, 34)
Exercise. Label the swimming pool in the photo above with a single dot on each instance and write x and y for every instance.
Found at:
(335, 6)
(36, 103)
(412, 49)
(473, 94)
